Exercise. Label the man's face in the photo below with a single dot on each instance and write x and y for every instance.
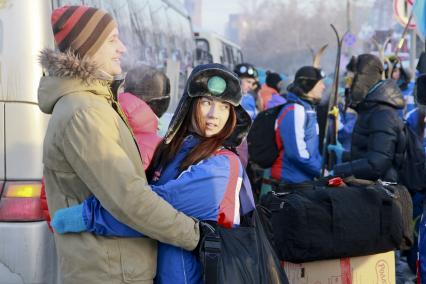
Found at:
(247, 84)
(316, 93)
(109, 54)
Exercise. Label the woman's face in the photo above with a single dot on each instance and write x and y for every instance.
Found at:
(396, 74)
(214, 114)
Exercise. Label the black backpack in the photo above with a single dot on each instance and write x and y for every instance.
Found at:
(262, 148)
(412, 172)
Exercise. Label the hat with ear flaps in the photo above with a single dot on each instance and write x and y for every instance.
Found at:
(212, 80)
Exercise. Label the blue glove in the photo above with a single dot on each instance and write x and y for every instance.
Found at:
(337, 149)
(69, 220)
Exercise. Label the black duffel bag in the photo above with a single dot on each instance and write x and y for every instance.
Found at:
(332, 222)
(241, 255)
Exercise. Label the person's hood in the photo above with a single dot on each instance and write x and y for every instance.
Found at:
(68, 74)
(140, 116)
(386, 92)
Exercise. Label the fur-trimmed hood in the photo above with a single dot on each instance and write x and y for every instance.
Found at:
(68, 74)
(70, 65)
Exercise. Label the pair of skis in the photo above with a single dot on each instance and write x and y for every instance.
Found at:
(332, 121)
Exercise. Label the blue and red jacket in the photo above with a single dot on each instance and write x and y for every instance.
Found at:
(249, 104)
(209, 190)
(297, 138)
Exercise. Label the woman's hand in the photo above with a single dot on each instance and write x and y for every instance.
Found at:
(69, 220)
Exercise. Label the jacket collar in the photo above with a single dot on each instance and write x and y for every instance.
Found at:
(293, 97)
(68, 75)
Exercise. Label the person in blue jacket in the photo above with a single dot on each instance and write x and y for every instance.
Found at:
(193, 168)
(248, 77)
(297, 132)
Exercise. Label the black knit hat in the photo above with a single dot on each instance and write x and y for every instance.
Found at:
(305, 79)
(273, 80)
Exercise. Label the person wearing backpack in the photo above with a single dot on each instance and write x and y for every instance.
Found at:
(297, 132)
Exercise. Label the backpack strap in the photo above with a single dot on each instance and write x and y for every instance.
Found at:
(245, 193)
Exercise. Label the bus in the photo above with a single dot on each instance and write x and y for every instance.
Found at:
(156, 32)
(213, 48)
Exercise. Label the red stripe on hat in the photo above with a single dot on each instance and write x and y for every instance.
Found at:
(70, 23)
(276, 171)
(57, 13)
(227, 206)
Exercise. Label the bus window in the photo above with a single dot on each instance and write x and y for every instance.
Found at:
(240, 57)
(226, 55)
(203, 55)
(159, 21)
(237, 56)
(230, 57)
(174, 29)
(140, 20)
(223, 58)
(203, 45)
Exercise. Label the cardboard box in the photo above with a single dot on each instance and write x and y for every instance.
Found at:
(371, 269)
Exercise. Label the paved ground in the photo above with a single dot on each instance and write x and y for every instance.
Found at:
(410, 277)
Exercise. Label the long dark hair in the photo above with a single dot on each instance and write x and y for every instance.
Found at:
(164, 153)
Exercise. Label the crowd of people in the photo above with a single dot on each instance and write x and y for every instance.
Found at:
(131, 205)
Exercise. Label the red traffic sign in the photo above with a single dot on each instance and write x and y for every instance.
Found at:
(402, 12)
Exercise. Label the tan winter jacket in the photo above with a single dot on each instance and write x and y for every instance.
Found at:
(88, 149)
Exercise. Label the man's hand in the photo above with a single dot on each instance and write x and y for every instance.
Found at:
(205, 229)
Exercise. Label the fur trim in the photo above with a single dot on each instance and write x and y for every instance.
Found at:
(68, 65)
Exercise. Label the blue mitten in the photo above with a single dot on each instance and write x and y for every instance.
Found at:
(69, 220)
(338, 150)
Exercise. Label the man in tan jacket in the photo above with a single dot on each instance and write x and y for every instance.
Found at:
(89, 149)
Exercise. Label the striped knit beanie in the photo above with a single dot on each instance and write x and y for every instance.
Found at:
(81, 29)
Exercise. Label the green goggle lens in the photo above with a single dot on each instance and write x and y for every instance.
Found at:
(216, 85)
